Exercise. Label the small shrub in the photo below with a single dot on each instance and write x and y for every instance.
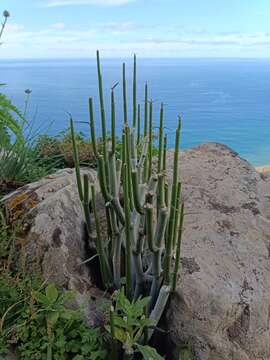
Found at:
(129, 324)
(51, 329)
(35, 321)
(60, 147)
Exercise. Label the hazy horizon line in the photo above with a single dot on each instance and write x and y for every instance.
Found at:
(140, 58)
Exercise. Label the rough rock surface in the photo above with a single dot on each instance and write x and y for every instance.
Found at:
(222, 305)
(54, 235)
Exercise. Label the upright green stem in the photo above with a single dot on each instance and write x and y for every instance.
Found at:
(136, 192)
(124, 95)
(139, 125)
(150, 150)
(102, 107)
(128, 236)
(113, 121)
(92, 127)
(169, 242)
(85, 203)
(178, 248)
(164, 162)
(176, 213)
(103, 261)
(160, 137)
(103, 122)
(145, 110)
(159, 308)
(128, 162)
(112, 328)
(134, 92)
(76, 160)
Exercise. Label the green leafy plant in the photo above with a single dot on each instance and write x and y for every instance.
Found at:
(20, 163)
(15, 150)
(11, 119)
(128, 324)
(144, 214)
(59, 147)
(51, 328)
(44, 328)
(35, 319)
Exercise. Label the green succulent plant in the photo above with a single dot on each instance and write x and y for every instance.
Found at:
(144, 214)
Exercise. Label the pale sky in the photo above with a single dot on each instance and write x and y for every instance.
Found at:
(149, 28)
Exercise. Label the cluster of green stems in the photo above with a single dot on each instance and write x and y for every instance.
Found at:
(144, 214)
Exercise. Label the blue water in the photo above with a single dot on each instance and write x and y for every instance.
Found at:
(222, 100)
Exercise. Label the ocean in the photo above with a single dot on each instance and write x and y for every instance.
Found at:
(221, 100)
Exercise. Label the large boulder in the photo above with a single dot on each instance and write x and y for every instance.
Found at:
(53, 235)
(222, 304)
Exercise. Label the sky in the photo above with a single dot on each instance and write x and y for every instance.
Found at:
(149, 28)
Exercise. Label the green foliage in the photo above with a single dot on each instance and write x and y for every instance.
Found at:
(129, 320)
(60, 147)
(5, 237)
(42, 327)
(11, 120)
(148, 352)
(36, 320)
(20, 163)
(52, 331)
(128, 323)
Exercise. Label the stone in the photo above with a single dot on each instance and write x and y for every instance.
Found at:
(53, 231)
(222, 307)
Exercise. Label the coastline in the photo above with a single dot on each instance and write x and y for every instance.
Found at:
(263, 169)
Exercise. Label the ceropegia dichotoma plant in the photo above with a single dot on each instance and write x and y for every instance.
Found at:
(144, 214)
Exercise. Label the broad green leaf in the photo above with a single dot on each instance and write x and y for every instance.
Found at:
(149, 353)
(51, 293)
(42, 299)
(11, 117)
(98, 355)
(53, 317)
(78, 357)
(120, 335)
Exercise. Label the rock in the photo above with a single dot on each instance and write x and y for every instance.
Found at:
(222, 304)
(53, 231)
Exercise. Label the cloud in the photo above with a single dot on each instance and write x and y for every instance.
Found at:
(14, 27)
(19, 42)
(122, 27)
(52, 3)
(58, 26)
(230, 39)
